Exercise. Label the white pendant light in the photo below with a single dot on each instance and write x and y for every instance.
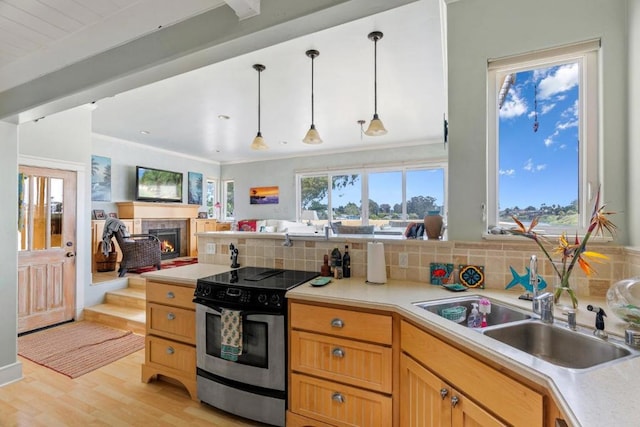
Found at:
(312, 136)
(258, 141)
(376, 128)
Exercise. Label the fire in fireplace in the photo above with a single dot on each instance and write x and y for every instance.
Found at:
(169, 241)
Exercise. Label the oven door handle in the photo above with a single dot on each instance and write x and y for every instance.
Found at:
(218, 310)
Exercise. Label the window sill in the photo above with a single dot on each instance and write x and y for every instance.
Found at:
(551, 236)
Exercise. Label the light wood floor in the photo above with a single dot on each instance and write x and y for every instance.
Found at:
(110, 396)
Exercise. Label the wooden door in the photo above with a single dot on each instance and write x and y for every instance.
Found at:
(421, 401)
(47, 245)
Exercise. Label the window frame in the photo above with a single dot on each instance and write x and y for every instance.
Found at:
(364, 172)
(589, 173)
(223, 200)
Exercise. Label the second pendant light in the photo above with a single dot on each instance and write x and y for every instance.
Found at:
(376, 128)
(258, 142)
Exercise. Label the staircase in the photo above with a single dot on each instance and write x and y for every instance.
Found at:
(122, 308)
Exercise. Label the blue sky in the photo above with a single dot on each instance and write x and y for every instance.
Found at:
(542, 166)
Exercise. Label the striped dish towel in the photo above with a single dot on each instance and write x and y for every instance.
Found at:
(231, 331)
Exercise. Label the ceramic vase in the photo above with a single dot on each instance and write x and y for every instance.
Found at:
(433, 226)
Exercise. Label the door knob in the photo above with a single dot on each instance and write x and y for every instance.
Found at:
(70, 254)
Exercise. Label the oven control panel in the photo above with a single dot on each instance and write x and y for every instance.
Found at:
(238, 297)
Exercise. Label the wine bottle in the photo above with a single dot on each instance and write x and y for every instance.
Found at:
(346, 262)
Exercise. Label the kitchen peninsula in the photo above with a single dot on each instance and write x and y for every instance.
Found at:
(589, 397)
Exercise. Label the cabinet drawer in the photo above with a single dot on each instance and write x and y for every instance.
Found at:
(177, 296)
(295, 420)
(514, 402)
(338, 404)
(356, 363)
(170, 354)
(343, 323)
(171, 322)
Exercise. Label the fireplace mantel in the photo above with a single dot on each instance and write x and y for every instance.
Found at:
(147, 210)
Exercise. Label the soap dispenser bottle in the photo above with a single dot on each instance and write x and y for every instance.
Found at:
(473, 321)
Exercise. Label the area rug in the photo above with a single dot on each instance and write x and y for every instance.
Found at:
(173, 263)
(73, 349)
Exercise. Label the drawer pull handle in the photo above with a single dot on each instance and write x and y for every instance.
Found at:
(338, 352)
(454, 401)
(443, 393)
(337, 323)
(171, 295)
(170, 350)
(337, 397)
(171, 316)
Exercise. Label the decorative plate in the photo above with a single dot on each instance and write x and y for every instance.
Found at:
(472, 276)
(440, 273)
(320, 281)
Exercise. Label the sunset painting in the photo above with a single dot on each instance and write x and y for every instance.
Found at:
(263, 195)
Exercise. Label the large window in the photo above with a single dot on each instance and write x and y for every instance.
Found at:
(393, 193)
(211, 199)
(543, 137)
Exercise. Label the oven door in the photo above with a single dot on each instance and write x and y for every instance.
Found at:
(262, 362)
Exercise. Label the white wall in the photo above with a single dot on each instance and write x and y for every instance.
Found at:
(483, 29)
(282, 173)
(10, 367)
(126, 155)
(634, 123)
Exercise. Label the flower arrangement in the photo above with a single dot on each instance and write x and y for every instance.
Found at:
(571, 253)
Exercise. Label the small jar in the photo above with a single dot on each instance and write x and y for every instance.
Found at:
(337, 272)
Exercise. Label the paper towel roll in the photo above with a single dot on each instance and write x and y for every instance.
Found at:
(376, 266)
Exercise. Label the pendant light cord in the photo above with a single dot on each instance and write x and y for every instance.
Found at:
(259, 72)
(312, 120)
(375, 76)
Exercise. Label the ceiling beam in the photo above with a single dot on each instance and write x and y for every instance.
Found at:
(245, 8)
(205, 39)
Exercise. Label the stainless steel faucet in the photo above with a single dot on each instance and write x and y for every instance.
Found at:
(544, 305)
(287, 240)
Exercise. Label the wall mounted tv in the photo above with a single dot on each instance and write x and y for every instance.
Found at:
(157, 185)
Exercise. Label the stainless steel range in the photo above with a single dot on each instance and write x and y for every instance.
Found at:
(248, 378)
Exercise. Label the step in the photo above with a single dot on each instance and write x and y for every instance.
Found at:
(127, 297)
(120, 317)
(137, 282)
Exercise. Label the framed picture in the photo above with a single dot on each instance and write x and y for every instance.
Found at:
(100, 179)
(113, 215)
(202, 215)
(194, 187)
(99, 214)
(264, 195)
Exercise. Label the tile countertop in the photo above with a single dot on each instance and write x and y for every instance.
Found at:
(595, 396)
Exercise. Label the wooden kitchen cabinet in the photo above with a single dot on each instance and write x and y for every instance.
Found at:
(170, 343)
(341, 367)
(199, 226)
(435, 365)
(427, 401)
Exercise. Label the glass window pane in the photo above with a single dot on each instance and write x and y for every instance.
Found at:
(211, 198)
(425, 192)
(229, 199)
(24, 195)
(314, 197)
(40, 205)
(56, 197)
(538, 146)
(385, 197)
(346, 199)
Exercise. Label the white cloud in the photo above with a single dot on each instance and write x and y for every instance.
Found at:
(567, 125)
(530, 166)
(562, 80)
(507, 172)
(514, 106)
(546, 108)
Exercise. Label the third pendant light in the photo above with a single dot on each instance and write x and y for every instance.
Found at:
(312, 136)
(376, 128)
(258, 142)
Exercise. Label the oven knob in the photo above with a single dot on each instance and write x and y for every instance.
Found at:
(275, 299)
(262, 298)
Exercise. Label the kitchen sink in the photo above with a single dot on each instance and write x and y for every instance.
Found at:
(558, 345)
(500, 312)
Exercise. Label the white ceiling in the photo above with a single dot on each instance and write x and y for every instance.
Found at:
(181, 113)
